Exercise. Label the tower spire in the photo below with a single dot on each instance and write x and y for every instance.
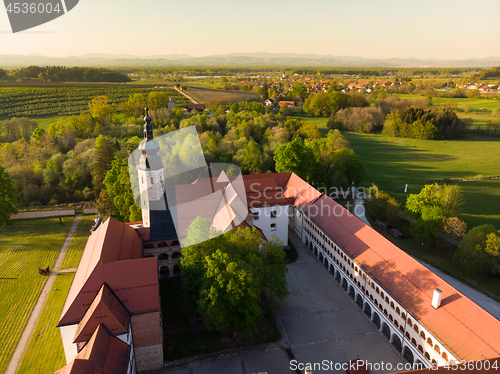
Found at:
(148, 127)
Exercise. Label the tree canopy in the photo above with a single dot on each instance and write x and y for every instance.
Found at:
(432, 208)
(478, 251)
(117, 182)
(229, 277)
(8, 196)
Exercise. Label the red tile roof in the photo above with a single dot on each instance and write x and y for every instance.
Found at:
(106, 309)
(112, 256)
(102, 354)
(264, 192)
(462, 326)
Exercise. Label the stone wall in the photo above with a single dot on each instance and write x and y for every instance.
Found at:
(148, 341)
(43, 213)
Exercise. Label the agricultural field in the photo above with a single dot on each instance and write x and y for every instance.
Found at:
(45, 353)
(25, 245)
(211, 96)
(66, 100)
(393, 162)
(78, 242)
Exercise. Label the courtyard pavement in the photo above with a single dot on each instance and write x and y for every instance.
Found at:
(321, 325)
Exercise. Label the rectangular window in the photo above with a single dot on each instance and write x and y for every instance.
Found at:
(273, 214)
(255, 216)
(273, 227)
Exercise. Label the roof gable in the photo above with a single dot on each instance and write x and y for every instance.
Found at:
(106, 309)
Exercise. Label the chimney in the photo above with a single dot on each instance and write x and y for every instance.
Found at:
(436, 298)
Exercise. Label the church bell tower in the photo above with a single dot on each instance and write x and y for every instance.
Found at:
(155, 211)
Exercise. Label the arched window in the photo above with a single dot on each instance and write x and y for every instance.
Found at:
(414, 342)
(175, 243)
(397, 310)
(407, 334)
(444, 356)
(396, 323)
(386, 299)
(385, 312)
(403, 315)
(175, 255)
(376, 303)
(420, 349)
(163, 257)
(427, 356)
(409, 322)
(422, 334)
(433, 362)
(401, 329)
(437, 349)
(429, 341)
(392, 304)
(415, 327)
(390, 318)
(149, 246)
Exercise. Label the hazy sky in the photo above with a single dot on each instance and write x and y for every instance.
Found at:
(447, 29)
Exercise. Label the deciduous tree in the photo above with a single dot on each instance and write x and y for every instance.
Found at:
(229, 275)
(8, 196)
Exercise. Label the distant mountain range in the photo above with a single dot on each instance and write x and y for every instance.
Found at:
(238, 59)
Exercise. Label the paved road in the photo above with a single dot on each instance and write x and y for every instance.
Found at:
(35, 314)
(320, 322)
(490, 305)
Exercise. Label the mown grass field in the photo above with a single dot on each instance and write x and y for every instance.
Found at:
(45, 353)
(78, 242)
(393, 162)
(24, 246)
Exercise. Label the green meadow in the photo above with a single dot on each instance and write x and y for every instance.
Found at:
(25, 245)
(391, 163)
(45, 353)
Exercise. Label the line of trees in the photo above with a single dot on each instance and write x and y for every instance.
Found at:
(69, 74)
(420, 123)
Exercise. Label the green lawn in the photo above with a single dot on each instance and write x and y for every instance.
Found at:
(78, 242)
(45, 352)
(321, 122)
(393, 162)
(25, 245)
(45, 122)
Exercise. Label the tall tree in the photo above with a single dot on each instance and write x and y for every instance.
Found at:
(117, 182)
(101, 109)
(103, 156)
(8, 196)
(477, 252)
(229, 275)
(297, 157)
